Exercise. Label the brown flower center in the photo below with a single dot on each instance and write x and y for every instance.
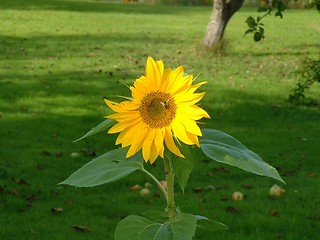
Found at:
(157, 109)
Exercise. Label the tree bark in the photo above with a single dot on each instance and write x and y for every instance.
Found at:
(222, 11)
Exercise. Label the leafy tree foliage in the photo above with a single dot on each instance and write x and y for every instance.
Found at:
(308, 74)
(256, 27)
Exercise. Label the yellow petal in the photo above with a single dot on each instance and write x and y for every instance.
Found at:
(147, 144)
(196, 86)
(121, 136)
(123, 116)
(174, 80)
(183, 86)
(123, 125)
(117, 128)
(137, 142)
(131, 136)
(190, 125)
(181, 133)
(159, 138)
(188, 99)
(153, 153)
(139, 88)
(161, 151)
(170, 143)
(133, 150)
(121, 107)
(193, 138)
(113, 105)
(193, 112)
(153, 74)
(165, 80)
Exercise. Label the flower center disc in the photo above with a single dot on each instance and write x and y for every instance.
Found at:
(157, 109)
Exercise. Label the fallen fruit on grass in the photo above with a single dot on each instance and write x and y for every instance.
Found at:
(210, 188)
(57, 210)
(144, 192)
(276, 191)
(74, 155)
(197, 189)
(135, 187)
(274, 213)
(237, 196)
(148, 185)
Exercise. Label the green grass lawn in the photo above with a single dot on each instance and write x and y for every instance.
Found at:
(59, 58)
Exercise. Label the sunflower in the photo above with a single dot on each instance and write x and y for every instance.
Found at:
(162, 111)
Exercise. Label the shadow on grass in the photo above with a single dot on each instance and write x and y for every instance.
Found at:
(46, 46)
(89, 6)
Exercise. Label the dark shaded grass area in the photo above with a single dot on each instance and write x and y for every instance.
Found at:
(90, 6)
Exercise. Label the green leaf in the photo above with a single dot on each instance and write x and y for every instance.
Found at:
(224, 148)
(157, 231)
(140, 228)
(101, 127)
(261, 30)
(248, 31)
(210, 225)
(156, 215)
(257, 36)
(251, 22)
(107, 168)
(183, 166)
(184, 226)
(180, 227)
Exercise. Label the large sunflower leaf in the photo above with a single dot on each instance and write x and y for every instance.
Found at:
(184, 226)
(100, 127)
(107, 168)
(157, 231)
(180, 227)
(156, 215)
(139, 228)
(210, 225)
(224, 148)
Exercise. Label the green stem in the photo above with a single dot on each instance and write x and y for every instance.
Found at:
(156, 181)
(171, 208)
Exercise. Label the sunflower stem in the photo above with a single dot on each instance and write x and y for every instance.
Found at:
(171, 208)
(156, 181)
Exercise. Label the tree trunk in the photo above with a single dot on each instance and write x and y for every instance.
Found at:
(222, 11)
